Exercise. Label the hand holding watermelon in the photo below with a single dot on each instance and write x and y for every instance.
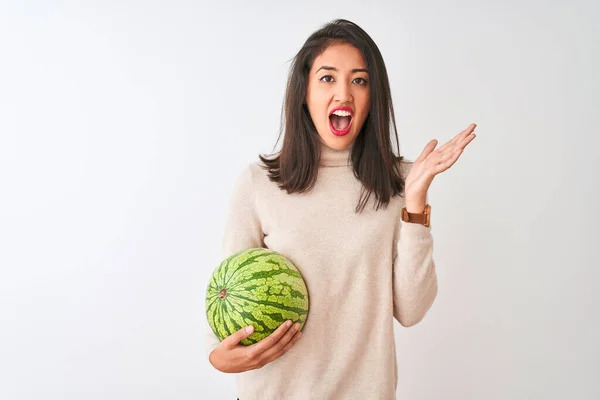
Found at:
(231, 356)
(257, 287)
(252, 299)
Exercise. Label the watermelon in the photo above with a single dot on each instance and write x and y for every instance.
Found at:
(258, 287)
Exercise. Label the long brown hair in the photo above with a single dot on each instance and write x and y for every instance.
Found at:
(295, 167)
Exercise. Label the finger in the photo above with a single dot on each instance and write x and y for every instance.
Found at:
(235, 338)
(427, 150)
(459, 138)
(450, 152)
(467, 140)
(271, 340)
(449, 145)
(285, 349)
(467, 131)
(289, 335)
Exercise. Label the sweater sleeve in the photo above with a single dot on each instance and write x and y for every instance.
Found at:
(415, 283)
(243, 230)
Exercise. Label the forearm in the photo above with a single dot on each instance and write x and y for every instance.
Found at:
(414, 276)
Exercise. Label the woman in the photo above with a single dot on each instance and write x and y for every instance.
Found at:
(351, 215)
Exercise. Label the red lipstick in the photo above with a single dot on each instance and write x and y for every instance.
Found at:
(342, 132)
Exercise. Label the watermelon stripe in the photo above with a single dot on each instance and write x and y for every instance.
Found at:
(296, 294)
(271, 311)
(235, 317)
(220, 277)
(249, 318)
(235, 326)
(218, 319)
(211, 302)
(240, 303)
(283, 297)
(227, 317)
(265, 275)
(276, 305)
(276, 317)
(221, 273)
(214, 312)
(250, 260)
(223, 318)
(282, 290)
(225, 276)
(259, 326)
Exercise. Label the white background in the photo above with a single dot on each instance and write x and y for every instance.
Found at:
(124, 124)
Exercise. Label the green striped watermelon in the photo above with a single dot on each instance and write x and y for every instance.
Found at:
(258, 287)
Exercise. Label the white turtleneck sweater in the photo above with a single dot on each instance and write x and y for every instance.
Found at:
(361, 270)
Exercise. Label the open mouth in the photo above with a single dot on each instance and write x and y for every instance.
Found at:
(340, 121)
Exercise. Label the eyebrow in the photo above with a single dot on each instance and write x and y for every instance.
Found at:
(327, 67)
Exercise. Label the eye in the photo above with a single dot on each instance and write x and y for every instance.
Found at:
(329, 79)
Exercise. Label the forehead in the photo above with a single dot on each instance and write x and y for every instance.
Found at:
(342, 56)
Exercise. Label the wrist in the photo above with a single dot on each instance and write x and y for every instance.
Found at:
(414, 209)
(416, 204)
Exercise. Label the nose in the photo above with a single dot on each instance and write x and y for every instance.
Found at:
(343, 93)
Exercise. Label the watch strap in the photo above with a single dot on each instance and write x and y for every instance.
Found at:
(417, 218)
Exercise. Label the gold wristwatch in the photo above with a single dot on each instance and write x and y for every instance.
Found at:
(417, 218)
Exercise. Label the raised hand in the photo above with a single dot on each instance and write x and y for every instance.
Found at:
(433, 161)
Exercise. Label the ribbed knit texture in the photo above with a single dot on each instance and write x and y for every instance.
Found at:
(361, 270)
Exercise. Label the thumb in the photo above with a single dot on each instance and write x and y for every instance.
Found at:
(427, 150)
(235, 338)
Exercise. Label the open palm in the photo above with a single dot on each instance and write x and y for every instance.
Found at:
(433, 161)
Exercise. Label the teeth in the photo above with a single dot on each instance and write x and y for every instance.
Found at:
(341, 113)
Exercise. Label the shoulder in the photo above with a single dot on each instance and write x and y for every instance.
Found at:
(253, 174)
(251, 169)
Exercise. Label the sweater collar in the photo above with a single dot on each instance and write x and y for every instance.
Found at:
(334, 158)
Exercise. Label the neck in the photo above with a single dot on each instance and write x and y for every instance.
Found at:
(335, 158)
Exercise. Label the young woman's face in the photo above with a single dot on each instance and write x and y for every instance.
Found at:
(338, 78)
